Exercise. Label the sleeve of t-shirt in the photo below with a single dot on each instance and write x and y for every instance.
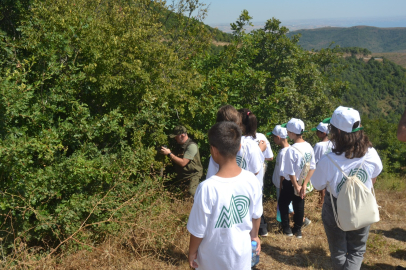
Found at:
(191, 151)
(258, 210)
(213, 168)
(290, 162)
(377, 161)
(318, 152)
(256, 158)
(201, 210)
(313, 161)
(281, 157)
(268, 151)
(319, 177)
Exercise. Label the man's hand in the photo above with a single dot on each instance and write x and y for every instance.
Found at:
(192, 258)
(165, 151)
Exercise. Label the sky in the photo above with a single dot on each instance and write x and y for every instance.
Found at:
(227, 11)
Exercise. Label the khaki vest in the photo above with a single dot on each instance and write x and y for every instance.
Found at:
(194, 168)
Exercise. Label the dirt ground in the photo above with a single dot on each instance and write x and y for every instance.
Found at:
(386, 246)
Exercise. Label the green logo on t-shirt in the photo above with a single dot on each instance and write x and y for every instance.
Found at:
(235, 213)
(307, 158)
(241, 162)
(362, 175)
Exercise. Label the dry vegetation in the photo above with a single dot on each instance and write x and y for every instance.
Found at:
(158, 239)
(396, 57)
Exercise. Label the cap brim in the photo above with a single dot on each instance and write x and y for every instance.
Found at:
(269, 133)
(326, 121)
(314, 129)
(172, 136)
(284, 125)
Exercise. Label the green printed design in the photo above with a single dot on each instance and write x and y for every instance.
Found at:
(241, 162)
(237, 210)
(307, 157)
(362, 175)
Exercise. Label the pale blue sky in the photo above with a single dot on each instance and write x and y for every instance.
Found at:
(226, 11)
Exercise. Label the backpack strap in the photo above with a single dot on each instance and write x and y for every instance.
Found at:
(298, 150)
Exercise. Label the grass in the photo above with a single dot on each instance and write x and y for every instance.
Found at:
(158, 239)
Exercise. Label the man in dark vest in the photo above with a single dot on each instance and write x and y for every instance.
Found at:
(185, 158)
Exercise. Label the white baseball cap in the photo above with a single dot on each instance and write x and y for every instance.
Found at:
(322, 127)
(280, 131)
(295, 126)
(344, 119)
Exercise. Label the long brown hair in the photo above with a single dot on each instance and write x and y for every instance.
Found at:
(249, 120)
(354, 144)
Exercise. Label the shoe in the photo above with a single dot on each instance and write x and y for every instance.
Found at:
(287, 231)
(298, 233)
(264, 235)
(306, 223)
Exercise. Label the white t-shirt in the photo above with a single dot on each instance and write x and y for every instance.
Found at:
(222, 215)
(322, 148)
(277, 173)
(327, 172)
(294, 161)
(249, 158)
(266, 154)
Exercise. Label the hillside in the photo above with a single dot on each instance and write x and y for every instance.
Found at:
(373, 38)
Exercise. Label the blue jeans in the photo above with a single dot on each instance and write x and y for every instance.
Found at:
(347, 248)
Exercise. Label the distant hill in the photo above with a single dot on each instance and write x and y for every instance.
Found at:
(373, 38)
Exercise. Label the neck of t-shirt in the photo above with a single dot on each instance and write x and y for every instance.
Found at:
(228, 168)
(325, 139)
(299, 140)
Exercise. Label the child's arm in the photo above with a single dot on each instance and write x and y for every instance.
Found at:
(193, 246)
(281, 183)
(254, 233)
(303, 190)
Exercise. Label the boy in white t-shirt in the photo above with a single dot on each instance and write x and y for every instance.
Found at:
(227, 207)
(321, 148)
(295, 159)
(280, 135)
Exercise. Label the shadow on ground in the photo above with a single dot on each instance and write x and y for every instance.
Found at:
(395, 233)
(378, 266)
(315, 256)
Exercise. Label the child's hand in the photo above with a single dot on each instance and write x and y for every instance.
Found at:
(302, 192)
(256, 239)
(298, 189)
(192, 258)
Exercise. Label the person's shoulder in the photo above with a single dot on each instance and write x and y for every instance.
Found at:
(372, 154)
(261, 136)
(325, 159)
(283, 150)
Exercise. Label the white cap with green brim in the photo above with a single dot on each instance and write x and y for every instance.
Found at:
(344, 119)
(295, 126)
(322, 127)
(279, 131)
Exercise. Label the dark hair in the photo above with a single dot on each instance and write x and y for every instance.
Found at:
(249, 120)
(354, 144)
(228, 113)
(226, 137)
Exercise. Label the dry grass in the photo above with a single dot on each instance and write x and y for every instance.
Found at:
(396, 57)
(159, 240)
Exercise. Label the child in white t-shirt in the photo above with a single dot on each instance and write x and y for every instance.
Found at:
(321, 148)
(250, 156)
(351, 149)
(227, 207)
(279, 135)
(249, 122)
(295, 159)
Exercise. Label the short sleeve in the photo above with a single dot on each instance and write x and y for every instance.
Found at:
(268, 151)
(289, 163)
(256, 158)
(213, 168)
(377, 162)
(313, 160)
(319, 177)
(201, 210)
(191, 151)
(258, 208)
